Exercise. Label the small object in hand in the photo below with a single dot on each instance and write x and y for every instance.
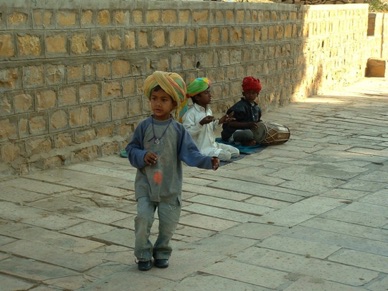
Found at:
(215, 163)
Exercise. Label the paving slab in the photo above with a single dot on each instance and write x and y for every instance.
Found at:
(52, 255)
(307, 283)
(338, 239)
(247, 273)
(205, 281)
(30, 269)
(9, 283)
(297, 264)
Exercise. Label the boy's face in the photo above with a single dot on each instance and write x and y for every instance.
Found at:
(250, 96)
(161, 104)
(204, 98)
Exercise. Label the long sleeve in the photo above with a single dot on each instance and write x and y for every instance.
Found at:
(189, 152)
(135, 148)
(191, 122)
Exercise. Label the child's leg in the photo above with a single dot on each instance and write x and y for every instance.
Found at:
(244, 136)
(143, 224)
(232, 151)
(224, 155)
(168, 220)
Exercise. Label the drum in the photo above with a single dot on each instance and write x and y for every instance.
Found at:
(273, 133)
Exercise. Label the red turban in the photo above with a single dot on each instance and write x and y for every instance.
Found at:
(251, 84)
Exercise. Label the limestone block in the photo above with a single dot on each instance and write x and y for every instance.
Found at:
(177, 37)
(23, 102)
(158, 38)
(37, 124)
(67, 18)
(152, 16)
(17, 18)
(42, 18)
(119, 109)
(129, 40)
(46, 99)
(56, 43)
(136, 106)
(6, 46)
(113, 41)
(79, 116)
(84, 136)
(88, 93)
(137, 16)
(87, 17)
(8, 78)
(143, 39)
(58, 120)
(79, 44)
(55, 74)
(29, 45)
(376, 68)
(74, 73)
(67, 96)
(38, 146)
(111, 90)
(120, 68)
(129, 87)
(63, 140)
(8, 129)
(169, 16)
(121, 17)
(86, 154)
(101, 113)
(103, 17)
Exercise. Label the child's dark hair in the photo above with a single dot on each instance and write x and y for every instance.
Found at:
(156, 88)
(193, 99)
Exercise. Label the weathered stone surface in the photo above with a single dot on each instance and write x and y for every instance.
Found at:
(361, 259)
(21, 268)
(254, 275)
(299, 246)
(52, 255)
(296, 264)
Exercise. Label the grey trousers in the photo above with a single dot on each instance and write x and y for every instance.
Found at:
(168, 220)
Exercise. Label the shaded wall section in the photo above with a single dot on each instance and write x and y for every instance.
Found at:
(72, 72)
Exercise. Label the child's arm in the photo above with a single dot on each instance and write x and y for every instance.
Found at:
(135, 149)
(190, 154)
(191, 124)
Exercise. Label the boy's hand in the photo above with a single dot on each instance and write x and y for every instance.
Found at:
(253, 125)
(150, 158)
(215, 163)
(227, 118)
(206, 120)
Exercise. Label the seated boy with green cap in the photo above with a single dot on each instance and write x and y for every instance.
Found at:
(200, 122)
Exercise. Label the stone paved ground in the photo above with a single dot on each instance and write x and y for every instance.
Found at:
(311, 214)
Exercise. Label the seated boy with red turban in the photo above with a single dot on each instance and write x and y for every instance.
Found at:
(247, 114)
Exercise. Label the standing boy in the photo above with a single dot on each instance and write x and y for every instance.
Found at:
(245, 128)
(200, 122)
(157, 149)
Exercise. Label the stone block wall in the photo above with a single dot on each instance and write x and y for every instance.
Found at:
(72, 72)
(378, 35)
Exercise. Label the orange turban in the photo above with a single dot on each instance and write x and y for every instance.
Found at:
(173, 85)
